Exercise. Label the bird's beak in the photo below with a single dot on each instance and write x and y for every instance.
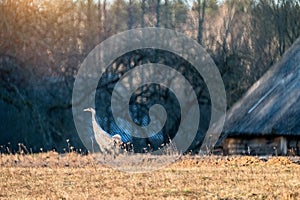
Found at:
(86, 110)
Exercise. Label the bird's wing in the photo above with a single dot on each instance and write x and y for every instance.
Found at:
(104, 140)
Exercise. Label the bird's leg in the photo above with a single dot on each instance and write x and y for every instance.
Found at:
(103, 157)
(92, 140)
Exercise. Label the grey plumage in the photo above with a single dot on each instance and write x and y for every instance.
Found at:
(106, 143)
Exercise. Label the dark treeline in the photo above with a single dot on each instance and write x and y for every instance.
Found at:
(42, 44)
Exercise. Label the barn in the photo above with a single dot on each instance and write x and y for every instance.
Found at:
(266, 120)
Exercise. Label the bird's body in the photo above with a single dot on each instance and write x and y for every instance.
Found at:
(106, 143)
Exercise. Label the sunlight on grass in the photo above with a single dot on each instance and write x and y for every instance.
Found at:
(75, 176)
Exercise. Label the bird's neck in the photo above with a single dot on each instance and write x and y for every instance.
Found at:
(94, 117)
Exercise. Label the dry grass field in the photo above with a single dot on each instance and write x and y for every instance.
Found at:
(73, 176)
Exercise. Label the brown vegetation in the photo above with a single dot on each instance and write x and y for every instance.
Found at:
(73, 176)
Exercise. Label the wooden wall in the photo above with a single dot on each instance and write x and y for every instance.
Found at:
(270, 145)
(293, 145)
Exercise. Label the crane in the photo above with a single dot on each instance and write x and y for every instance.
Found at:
(106, 143)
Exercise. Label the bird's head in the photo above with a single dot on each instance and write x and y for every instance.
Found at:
(117, 138)
(92, 110)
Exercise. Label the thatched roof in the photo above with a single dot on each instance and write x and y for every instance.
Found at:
(272, 104)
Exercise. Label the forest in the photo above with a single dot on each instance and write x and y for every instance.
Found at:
(44, 42)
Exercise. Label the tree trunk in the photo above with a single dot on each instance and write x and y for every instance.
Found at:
(158, 14)
(201, 15)
(143, 12)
